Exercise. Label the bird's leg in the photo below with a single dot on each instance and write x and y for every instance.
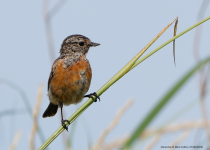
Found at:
(63, 121)
(91, 96)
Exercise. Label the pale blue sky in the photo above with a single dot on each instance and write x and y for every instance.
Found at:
(122, 28)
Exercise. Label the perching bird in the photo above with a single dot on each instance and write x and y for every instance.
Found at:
(70, 76)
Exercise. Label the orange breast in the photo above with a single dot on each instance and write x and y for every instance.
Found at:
(70, 84)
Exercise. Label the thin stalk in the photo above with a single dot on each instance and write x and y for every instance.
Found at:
(163, 101)
(121, 73)
(26, 102)
(138, 131)
(169, 41)
(129, 65)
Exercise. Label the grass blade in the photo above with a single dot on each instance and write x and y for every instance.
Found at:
(169, 41)
(175, 30)
(162, 103)
(26, 102)
(114, 79)
(133, 63)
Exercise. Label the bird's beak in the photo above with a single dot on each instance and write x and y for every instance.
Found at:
(94, 44)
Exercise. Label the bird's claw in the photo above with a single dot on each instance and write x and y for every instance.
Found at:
(91, 96)
(64, 125)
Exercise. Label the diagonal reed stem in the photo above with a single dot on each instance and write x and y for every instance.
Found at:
(130, 65)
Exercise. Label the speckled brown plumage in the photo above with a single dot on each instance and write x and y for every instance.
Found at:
(71, 74)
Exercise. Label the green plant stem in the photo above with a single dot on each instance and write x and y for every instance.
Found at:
(115, 78)
(147, 120)
(129, 65)
(169, 41)
(162, 103)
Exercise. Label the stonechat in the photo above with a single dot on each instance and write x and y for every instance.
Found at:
(70, 75)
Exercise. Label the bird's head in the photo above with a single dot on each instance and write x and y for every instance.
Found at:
(77, 43)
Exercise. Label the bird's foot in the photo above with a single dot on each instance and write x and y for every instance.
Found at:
(64, 125)
(91, 96)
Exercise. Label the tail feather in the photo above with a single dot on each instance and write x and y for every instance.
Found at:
(50, 111)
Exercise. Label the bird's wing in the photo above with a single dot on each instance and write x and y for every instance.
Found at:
(52, 70)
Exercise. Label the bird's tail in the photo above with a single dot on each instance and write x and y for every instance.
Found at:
(50, 111)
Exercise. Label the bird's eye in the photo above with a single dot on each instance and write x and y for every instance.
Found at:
(81, 43)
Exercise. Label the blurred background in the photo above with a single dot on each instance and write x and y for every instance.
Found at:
(31, 34)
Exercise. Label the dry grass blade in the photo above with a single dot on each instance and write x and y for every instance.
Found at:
(25, 101)
(113, 124)
(35, 114)
(198, 30)
(179, 139)
(156, 37)
(175, 127)
(175, 30)
(116, 143)
(130, 65)
(166, 129)
(15, 140)
(203, 83)
(48, 29)
(203, 80)
(58, 6)
(153, 143)
(48, 14)
(165, 99)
